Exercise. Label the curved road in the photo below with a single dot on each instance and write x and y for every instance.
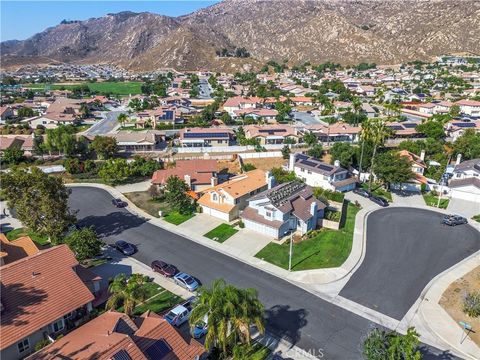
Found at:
(305, 320)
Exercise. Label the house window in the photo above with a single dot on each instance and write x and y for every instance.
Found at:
(214, 197)
(302, 169)
(309, 171)
(23, 346)
(269, 214)
(58, 325)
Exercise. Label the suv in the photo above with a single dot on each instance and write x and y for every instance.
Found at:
(164, 269)
(362, 192)
(379, 200)
(180, 313)
(453, 220)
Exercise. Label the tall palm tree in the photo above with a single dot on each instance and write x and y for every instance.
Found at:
(377, 134)
(230, 313)
(129, 291)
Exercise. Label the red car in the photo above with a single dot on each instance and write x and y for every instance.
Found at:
(164, 269)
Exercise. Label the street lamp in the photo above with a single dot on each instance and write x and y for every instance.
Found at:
(293, 228)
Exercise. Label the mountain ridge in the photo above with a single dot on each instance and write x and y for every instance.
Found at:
(347, 32)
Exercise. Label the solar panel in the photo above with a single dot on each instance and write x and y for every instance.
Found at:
(301, 157)
(410, 125)
(465, 125)
(205, 135)
(396, 127)
(158, 350)
(121, 355)
(308, 163)
(324, 167)
(274, 130)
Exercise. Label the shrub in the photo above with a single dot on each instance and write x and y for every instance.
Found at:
(333, 215)
(321, 193)
(89, 166)
(471, 304)
(241, 225)
(41, 344)
(72, 166)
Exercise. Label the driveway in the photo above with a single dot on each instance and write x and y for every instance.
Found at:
(405, 249)
(291, 312)
(106, 125)
(464, 208)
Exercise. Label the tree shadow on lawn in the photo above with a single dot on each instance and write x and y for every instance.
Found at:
(112, 224)
(286, 323)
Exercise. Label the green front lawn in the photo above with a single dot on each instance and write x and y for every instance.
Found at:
(476, 218)
(39, 239)
(432, 200)
(221, 233)
(328, 248)
(378, 190)
(176, 218)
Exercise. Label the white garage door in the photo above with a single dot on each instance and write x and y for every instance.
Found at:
(465, 195)
(216, 213)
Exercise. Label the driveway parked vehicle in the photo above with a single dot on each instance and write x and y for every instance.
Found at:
(362, 192)
(186, 281)
(379, 201)
(454, 220)
(119, 203)
(124, 247)
(164, 269)
(200, 328)
(180, 313)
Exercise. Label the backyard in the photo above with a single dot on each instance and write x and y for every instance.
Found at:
(41, 240)
(327, 248)
(221, 233)
(117, 88)
(432, 200)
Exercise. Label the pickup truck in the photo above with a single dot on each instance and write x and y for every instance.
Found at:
(180, 313)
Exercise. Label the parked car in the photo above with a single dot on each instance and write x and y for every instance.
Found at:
(200, 328)
(186, 281)
(362, 192)
(124, 247)
(453, 220)
(164, 269)
(119, 203)
(180, 313)
(379, 200)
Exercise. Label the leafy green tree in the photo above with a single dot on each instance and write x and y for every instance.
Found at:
(105, 146)
(114, 171)
(454, 111)
(231, 312)
(128, 292)
(375, 131)
(471, 304)
(122, 118)
(25, 112)
(62, 140)
(310, 139)
(343, 152)
(383, 345)
(72, 165)
(40, 201)
(84, 243)
(468, 145)
(142, 167)
(432, 129)
(316, 151)
(12, 156)
(282, 176)
(286, 152)
(176, 195)
(391, 168)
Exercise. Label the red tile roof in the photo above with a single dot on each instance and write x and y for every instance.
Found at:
(37, 290)
(200, 171)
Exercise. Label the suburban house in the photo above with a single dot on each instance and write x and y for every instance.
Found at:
(335, 132)
(238, 103)
(418, 167)
(63, 111)
(138, 141)
(42, 297)
(6, 112)
(227, 199)
(116, 336)
(469, 107)
(271, 134)
(160, 115)
(465, 182)
(205, 137)
(198, 174)
(268, 115)
(283, 208)
(456, 128)
(319, 174)
(23, 142)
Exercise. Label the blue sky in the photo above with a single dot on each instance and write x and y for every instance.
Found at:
(22, 19)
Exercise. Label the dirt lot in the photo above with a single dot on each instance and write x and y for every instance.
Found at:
(452, 300)
(266, 163)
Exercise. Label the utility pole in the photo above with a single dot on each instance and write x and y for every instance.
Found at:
(291, 244)
(441, 182)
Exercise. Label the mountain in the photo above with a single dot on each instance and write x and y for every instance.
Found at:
(348, 32)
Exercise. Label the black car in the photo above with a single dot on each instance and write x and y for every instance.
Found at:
(379, 201)
(119, 203)
(124, 247)
(453, 220)
(362, 192)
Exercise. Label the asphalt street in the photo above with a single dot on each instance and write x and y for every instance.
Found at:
(307, 321)
(205, 89)
(105, 125)
(405, 249)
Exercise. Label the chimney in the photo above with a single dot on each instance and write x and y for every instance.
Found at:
(459, 159)
(313, 208)
(336, 163)
(213, 181)
(269, 179)
(422, 155)
(291, 162)
(188, 180)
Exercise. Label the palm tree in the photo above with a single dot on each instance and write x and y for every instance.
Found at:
(129, 291)
(122, 118)
(230, 313)
(377, 133)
